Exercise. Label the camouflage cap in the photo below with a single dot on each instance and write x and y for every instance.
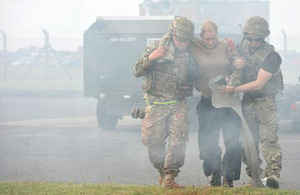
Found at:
(256, 25)
(182, 27)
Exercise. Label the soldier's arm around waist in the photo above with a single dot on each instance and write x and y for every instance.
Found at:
(143, 64)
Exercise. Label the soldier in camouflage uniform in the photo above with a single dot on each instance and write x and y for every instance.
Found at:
(166, 68)
(263, 80)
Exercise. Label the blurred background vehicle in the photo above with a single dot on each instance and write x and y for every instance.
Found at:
(289, 105)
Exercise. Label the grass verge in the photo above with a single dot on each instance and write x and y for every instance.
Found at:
(86, 188)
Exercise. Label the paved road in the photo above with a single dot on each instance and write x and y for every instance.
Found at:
(50, 139)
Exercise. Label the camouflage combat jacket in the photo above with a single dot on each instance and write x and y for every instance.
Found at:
(165, 79)
(252, 65)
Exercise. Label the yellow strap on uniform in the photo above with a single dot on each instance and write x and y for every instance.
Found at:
(161, 103)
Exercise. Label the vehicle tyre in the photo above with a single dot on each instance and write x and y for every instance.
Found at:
(296, 127)
(105, 122)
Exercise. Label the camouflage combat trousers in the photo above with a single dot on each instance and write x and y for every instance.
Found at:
(262, 118)
(162, 122)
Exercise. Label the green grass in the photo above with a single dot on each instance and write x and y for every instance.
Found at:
(72, 188)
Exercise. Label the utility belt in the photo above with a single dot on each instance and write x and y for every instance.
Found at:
(141, 112)
(153, 103)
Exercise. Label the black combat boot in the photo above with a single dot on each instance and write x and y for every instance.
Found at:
(227, 182)
(273, 182)
(215, 179)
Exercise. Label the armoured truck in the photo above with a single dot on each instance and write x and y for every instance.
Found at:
(112, 46)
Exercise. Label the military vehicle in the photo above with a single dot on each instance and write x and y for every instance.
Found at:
(112, 46)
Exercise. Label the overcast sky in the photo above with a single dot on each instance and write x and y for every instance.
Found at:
(61, 14)
(75, 16)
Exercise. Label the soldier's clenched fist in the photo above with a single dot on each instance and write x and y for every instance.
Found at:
(158, 53)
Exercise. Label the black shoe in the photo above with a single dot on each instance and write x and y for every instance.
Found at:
(273, 182)
(227, 183)
(215, 180)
